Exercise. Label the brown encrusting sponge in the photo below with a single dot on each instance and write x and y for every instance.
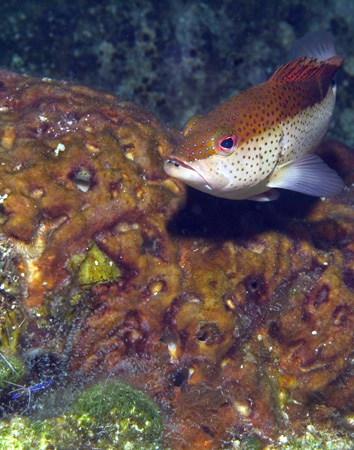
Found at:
(237, 320)
(74, 162)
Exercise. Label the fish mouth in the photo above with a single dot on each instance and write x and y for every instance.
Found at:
(176, 162)
(183, 171)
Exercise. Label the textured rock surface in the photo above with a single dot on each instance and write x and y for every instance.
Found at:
(235, 317)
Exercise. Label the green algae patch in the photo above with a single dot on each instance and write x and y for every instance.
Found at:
(94, 267)
(247, 443)
(106, 416)
(319, 440)
(138, 418)
(325, 439)
(11, 370)
(12, 316)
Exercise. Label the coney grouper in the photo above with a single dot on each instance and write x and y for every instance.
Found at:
(264, 137)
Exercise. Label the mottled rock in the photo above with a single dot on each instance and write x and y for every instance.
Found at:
(235, 317)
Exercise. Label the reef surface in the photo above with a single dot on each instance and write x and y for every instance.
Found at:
(236, 318)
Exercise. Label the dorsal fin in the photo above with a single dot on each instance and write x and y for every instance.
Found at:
(317, 45)
(308, 69)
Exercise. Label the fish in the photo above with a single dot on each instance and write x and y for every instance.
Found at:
(265, 137)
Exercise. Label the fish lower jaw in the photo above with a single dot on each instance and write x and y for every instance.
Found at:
(184, 172)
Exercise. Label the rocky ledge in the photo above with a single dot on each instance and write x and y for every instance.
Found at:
(236, 318)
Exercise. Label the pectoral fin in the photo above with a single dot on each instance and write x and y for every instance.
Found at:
(308, 175)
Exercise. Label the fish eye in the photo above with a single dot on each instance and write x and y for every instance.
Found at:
(227, 145)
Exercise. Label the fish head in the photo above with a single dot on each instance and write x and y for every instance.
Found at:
(214, 159)
(200, 160)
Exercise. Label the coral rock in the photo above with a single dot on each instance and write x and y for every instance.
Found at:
(235, 317)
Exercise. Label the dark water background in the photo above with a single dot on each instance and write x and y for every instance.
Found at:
(177, 58)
